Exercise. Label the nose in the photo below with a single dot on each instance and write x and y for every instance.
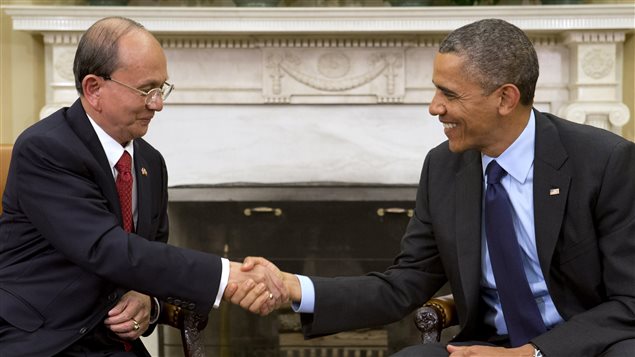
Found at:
(437, 107)
(155, 104)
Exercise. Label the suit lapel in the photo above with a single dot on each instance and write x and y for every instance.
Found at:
(144, 197)
(469, 188)
(78, 121)
(551, 188)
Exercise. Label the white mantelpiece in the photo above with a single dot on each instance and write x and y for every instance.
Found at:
(330, 95)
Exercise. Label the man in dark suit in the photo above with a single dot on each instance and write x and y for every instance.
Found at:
(73, 281)
(572, 193)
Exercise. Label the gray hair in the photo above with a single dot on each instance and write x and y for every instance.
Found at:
(496, 52)
(97, 52)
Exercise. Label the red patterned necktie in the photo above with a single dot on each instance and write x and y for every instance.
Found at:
(124, 188)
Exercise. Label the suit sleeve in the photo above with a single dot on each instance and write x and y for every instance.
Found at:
(590, 332)
(346, 303)
(59, 192)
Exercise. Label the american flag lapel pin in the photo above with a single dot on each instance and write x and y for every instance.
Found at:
(554, 192)
(144, 172)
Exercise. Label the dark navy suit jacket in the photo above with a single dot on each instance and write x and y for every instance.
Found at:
(585, 238)
(64, 258)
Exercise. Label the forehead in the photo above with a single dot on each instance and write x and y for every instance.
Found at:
(141, 54)
(449, 72)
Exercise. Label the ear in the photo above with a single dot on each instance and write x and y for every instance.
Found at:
(509, 99)
(92, 86)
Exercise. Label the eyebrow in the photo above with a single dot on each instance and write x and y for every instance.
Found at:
(445, 90)
(152, 84)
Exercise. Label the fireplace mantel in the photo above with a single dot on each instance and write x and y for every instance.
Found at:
(324, 20)
(314, 97)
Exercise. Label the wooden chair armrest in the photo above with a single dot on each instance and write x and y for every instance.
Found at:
(191, 326)
(435, 315)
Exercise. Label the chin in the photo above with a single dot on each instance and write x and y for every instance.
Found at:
(456, 148)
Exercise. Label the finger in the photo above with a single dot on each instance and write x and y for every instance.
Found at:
(122, 317)
(242, 291)
(260, 303)
(131, 330)
(230, 290)
(121, 305)
(258, 290)
(276, 287)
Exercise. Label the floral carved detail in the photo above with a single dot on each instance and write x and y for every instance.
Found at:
(336, 67)
(597, 63)
(64, 64)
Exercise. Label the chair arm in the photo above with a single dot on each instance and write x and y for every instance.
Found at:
(435, 315)
(191, 326)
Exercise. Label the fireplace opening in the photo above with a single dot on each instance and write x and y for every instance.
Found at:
(325, 238)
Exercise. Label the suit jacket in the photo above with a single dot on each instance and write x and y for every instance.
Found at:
(64, 258)
(585, 238)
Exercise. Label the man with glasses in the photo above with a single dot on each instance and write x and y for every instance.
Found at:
(83, 259)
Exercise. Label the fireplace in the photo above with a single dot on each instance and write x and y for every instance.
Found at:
(316, 237)
(298, 134)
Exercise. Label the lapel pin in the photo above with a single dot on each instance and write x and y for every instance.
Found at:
(144, 172)
(554, 192)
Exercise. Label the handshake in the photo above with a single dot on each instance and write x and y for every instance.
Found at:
(259, 286)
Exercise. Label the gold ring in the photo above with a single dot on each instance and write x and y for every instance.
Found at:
(270, 296)
(135, 325)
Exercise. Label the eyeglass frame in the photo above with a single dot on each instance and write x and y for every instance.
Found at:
(151, 96)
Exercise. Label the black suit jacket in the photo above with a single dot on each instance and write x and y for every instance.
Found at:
(585, 238)
(64, 258)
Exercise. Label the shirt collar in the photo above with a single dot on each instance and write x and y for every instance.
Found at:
(112, 148)
(518, 158)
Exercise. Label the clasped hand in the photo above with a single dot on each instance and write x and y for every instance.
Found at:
(256, 285)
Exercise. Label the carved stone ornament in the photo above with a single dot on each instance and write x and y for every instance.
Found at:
(597, 63)
(608, 115)
(64, 64)
(379, 73)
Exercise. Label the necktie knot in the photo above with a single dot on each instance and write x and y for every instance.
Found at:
(123, 167)
(494, 172)
(124, 163)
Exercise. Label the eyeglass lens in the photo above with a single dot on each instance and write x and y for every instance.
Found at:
(155, 93)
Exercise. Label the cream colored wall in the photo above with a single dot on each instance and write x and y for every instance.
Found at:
(629, 85)
(22, 74)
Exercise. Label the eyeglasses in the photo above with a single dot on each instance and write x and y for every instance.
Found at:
(153, 94)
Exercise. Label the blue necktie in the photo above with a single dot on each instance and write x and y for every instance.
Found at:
(520, 311)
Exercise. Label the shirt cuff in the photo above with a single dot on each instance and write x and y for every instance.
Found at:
(155, 311)
(307, 304)
(224, 279)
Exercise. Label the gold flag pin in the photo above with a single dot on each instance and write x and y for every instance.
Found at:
(554, 192)
(144, 172)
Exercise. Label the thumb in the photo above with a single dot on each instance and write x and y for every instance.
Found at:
(452, 348)
(250, 262)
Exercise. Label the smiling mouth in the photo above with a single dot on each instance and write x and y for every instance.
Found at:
(448, 125)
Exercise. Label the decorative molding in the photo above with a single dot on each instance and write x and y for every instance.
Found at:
(267, 95)
(253, 21)
(597, 63)
(63, 63)
(595, 36)
(345, 71)
(610, 116)
(62, 38)
(316, 41)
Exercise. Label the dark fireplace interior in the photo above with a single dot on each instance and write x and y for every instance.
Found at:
(316, 237)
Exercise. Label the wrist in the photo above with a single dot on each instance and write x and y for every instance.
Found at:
(293, 286)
